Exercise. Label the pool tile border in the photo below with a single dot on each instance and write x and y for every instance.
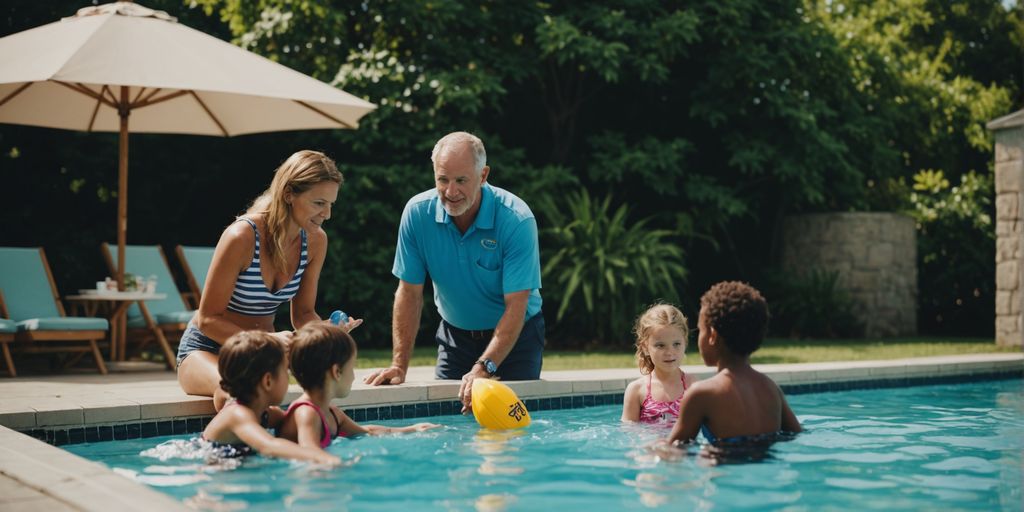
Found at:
(191, 425)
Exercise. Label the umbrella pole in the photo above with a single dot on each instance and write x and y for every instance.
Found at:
(123, 111)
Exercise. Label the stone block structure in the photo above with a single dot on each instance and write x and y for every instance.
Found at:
(1009, 178)
(875, 255)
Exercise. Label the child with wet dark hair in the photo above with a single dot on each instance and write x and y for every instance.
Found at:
(254, 372)
(323, 359)
(738, 403)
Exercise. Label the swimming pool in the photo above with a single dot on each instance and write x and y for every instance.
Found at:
(955, 447)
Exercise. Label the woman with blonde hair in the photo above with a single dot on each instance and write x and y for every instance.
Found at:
(271, 254)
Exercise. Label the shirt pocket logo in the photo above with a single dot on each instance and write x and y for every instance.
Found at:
(488, 244)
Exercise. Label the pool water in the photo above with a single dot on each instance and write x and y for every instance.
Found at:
(954, 447)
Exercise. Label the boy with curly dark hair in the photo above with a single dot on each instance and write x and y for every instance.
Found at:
(738, 403)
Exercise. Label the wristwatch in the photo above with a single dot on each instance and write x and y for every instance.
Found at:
(488, 365)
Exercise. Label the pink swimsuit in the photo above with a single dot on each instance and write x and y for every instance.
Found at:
(325, 438)
(653, 411)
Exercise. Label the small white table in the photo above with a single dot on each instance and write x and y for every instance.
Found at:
(120, 301)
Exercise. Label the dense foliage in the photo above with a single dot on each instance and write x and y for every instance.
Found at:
(603, 266)
(694, 125)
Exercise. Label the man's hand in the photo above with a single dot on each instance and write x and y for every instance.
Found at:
(391, 375)
(466, 390)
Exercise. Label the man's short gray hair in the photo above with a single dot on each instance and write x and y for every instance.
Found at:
(456, 139)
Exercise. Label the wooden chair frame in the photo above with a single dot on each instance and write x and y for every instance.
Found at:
(32, 341)
(195, 292)
(153, 331)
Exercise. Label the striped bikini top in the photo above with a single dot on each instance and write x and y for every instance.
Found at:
(251, 296)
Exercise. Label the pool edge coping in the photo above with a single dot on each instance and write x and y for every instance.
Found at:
(76, 482)
(61, 478)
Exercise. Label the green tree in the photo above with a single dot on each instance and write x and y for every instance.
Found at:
(938, 71)
(711, 120)
(956, 246)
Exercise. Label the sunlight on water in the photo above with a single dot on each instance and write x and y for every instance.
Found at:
(931, 447)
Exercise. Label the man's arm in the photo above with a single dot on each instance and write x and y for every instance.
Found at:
(505, 336)
(404, 325)
(509, 327)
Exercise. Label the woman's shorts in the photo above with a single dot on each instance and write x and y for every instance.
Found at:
(193, 339)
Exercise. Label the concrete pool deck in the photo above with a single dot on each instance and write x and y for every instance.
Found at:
(59, 408)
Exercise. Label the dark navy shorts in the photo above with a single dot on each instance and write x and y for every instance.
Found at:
(458, 350)
(193, 339)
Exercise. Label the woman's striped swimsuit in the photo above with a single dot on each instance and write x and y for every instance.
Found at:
(251, 296)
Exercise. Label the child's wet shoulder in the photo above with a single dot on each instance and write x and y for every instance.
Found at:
(637, 385)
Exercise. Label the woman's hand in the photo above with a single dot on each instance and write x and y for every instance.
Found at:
(352, 323)
(285, 337)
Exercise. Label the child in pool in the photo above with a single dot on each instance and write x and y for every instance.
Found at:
(323, 360)
(738, 403)
(254, 372)
(661, 333)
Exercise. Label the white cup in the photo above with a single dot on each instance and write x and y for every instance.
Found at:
(101, 286)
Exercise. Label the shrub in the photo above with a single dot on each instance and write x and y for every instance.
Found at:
(956, 251)
(811, 304)
(601, 270)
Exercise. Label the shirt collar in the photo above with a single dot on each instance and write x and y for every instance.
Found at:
(484, 216)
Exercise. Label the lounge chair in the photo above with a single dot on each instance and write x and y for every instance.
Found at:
(32, 302)
(195, 261)
(171, 314)
(8, 328)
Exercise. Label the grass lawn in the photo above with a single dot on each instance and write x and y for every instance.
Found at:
(773, 351)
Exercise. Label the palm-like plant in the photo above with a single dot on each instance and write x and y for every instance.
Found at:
(605, 269)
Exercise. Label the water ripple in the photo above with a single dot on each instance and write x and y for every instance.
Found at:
(973, 464)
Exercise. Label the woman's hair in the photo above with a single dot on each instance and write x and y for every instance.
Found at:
(739, 313)
(244, 359)
(658, 315)
(315, 348)
(297, 174)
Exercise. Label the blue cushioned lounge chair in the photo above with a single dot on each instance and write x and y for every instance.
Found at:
(7, 330)
(195, 261)
(171, 314)
(32, 302)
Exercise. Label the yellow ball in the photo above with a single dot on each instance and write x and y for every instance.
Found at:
(496, 406)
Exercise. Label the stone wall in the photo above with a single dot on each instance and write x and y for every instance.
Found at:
(875, 255)
(1009, 135)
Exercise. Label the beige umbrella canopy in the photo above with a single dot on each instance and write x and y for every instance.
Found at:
(121, 67)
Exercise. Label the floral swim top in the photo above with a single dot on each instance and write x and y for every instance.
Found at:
(653, 411)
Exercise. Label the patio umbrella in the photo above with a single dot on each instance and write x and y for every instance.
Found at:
(123, 68)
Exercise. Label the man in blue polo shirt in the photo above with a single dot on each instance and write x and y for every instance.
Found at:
(478, 243)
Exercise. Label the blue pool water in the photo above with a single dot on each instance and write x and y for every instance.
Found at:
(949, 447)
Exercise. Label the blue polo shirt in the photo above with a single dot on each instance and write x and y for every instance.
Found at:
(471, 272)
